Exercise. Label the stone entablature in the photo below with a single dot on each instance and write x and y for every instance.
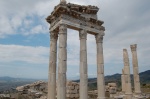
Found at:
(83, 19)
(76, 17)
(74, 9)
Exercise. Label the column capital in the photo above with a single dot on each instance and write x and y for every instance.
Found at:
(62, 28)
(53, 35)
(63, 1)
(99, 38)
(83, 34)
(133, 47)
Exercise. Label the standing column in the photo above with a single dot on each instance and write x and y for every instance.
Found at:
(128, 89)
(62, 1)
(100, 66)
(137, 88)
(62, 65)
(123, 81)
(52, 66)
(83, 65)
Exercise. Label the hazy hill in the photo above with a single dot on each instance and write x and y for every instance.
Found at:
(7, 83)
(144, 79)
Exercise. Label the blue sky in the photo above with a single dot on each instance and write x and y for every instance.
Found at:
(24, 37)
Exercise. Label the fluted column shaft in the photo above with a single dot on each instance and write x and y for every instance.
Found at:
(128, 89)
(100, 66)
(52, 66)
(83, 65)
(137, 88)
(62, 64)
(123, 81)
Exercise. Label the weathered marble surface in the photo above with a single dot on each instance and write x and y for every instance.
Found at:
(135, 69)
(128, 88)
(52, 65)
(100, 66)
(83, 65)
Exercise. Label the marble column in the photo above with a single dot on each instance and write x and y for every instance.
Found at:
(128, 89)
(52, 65)
(123, 81)
(137, 88)
(62, 64)
(63, 1)
(100, 66)
(83, 65)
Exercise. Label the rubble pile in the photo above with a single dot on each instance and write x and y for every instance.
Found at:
(111, 88)
(39, 90)
(72, 90)
(92, 94)
(36, 89)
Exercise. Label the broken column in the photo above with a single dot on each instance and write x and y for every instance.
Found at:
(52, 65)
(123, 81)
(137, 88)
(62, 64)
(83, 65)
(100, 66)
(128, 89)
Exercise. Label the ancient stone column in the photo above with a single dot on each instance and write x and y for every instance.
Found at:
(83, 65)
(100, 66)
(62, 64)
(123, 81)
(137, 88)
(52, 65)
(128, 89)
(63, 1)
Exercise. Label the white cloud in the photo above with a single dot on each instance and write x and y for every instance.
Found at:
(126, 22)
(5, 27)
(29, 54)
(14, 16)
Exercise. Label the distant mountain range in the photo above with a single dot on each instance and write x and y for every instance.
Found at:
(9, 82)
(144, 79)
(11, 79)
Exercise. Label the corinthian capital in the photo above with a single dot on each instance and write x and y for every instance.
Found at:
(83, 34)
(62, 28)
(99, 38)
(133, 47)
(63, 1)
(53, 35)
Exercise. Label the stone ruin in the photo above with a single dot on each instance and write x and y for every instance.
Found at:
(36, 89)
(72, 90)
(111, 88)
(83, 19)
(127, 92)
(39, 90)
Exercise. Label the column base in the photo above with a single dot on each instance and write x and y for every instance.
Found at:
(128, 96)
(128, 93)
(101, 97)
(138, 92)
